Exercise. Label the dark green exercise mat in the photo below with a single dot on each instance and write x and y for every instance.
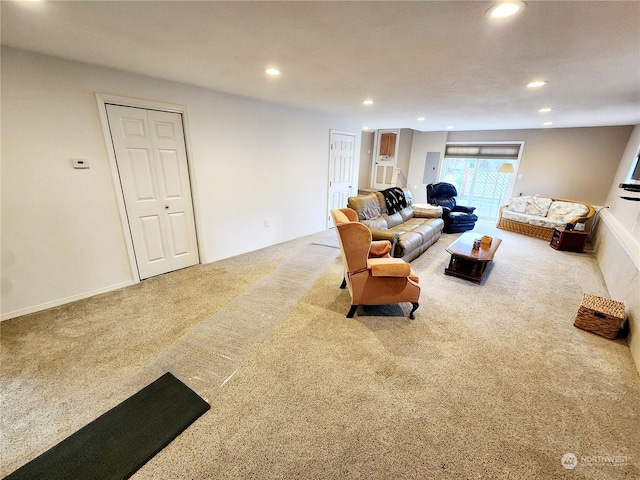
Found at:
(119, 442)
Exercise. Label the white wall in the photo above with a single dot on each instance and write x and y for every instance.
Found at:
(404, 156)
(617, 245)
(62, 237)
(625, 211)
(366, 152)
(423, 142)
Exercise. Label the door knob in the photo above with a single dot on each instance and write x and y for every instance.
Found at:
(166, 207)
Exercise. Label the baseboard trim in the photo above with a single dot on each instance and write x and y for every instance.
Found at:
(62, 301)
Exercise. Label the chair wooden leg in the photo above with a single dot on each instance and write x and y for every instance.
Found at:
(352, 311)
(415, 307)
(344, 283)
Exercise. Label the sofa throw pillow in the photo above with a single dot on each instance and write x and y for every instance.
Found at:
(538, 206)
(518, 204)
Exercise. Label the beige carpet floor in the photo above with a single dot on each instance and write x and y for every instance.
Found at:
(489, 381)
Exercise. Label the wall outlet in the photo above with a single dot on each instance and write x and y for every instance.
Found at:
(266, 223)
(80, 163)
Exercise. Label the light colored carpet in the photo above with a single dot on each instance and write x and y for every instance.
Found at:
(210, 353)
(329, 240)
(489, 381)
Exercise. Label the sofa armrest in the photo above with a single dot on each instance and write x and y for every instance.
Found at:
(424, 210)
(590, 213)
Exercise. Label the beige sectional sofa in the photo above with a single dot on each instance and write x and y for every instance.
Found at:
(538, 216)
(411, 230)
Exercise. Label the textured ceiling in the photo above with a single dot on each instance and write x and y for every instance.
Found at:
(445, 61)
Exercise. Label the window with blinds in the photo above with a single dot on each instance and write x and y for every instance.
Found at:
(482, 174)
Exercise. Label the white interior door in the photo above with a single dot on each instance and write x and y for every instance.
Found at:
(341, 162)
(152, 164)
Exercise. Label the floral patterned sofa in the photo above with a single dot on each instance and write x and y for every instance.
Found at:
(538, 216)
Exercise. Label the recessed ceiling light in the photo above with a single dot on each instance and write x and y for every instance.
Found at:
(450, 127)
(274, 72)
(365, 128)
(368, 102)
(505, 9)
(537, 83)
(545, 110)
(547, 123)
(421, 119)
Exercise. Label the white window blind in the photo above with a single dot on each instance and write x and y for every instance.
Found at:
(502, 152)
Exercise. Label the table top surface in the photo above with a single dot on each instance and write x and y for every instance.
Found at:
(564, 230)
(463, 247)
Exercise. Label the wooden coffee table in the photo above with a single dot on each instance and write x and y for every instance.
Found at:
(468, 263)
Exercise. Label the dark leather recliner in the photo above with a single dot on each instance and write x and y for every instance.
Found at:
(457, 218)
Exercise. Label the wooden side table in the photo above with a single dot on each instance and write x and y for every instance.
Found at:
(569, 240)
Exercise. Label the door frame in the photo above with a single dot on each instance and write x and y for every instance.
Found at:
(356, 145)
(105, 98)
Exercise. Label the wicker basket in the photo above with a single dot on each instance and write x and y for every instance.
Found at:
(600, 315)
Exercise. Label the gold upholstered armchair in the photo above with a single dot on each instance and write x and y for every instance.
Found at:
(373, 277)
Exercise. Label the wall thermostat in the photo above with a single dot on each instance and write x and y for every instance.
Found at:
(80, 163)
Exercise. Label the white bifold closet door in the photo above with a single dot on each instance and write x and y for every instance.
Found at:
(152, 164)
